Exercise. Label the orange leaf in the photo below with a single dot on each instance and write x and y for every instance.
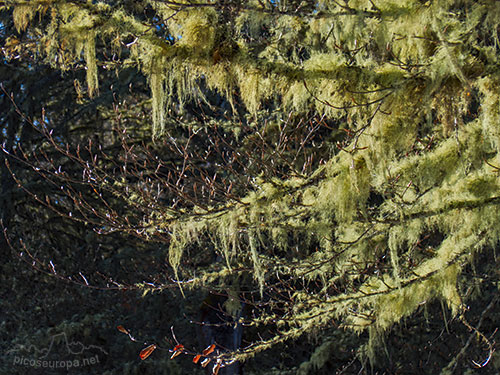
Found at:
(146, 352)
(122, 329)
(196, 358)
(178, 347)
(209, 350)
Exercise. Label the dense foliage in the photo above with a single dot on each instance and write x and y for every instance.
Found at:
(324, 175)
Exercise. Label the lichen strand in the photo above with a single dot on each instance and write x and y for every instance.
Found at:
(22, 15)
(90, 60)
(158, 97)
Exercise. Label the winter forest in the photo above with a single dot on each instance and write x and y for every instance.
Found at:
(237, 187)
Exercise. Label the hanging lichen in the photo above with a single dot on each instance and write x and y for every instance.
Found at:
(22, 15)
(90, 60)
(158, 94)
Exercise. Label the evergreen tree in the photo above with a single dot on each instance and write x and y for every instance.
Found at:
(336, 161)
